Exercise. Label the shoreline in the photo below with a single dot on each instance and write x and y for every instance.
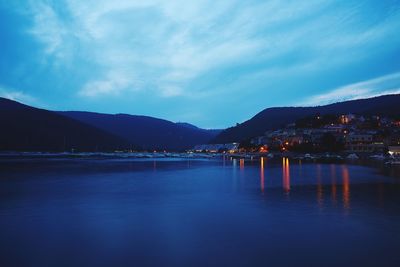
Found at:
(385, 164)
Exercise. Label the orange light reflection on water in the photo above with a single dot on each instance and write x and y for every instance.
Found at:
(241, 164)
(333, 185)
(286, 175)
(320, 192)
(262, 181)
(346, 188)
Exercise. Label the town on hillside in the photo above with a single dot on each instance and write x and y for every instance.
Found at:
(355, 135)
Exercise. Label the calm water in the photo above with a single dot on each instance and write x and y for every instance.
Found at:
(196, 213)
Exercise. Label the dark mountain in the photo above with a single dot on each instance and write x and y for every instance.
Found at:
(272, 118)
(150, 133)
(187, 125)
(24, 128)
(32, 129)
(214, 132)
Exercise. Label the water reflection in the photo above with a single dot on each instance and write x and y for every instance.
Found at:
(346, 187)
(241, 164)
(333, 185)
(262, 181)
(286, 174)
(154, 165)
(125, 212)
(381, 193)
(300, 166)
(320, 192)
(328, 188)
(234, 175)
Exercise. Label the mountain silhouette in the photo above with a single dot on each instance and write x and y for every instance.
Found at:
(150, 133)
(31, 129)
(25, 128)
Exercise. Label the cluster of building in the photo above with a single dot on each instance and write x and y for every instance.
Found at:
(346, 133)
(350, 133)
(217, 148)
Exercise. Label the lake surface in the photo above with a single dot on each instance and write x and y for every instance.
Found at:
(179, 212)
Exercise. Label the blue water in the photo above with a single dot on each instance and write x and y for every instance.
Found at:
(196, 213)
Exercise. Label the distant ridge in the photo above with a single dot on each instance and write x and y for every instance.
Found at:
(187, 125)
(272, 118)
(150, 133)
(24, 128)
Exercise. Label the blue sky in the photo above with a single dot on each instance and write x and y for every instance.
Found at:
(210, 63)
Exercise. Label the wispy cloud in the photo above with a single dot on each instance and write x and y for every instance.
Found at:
(112, 84)
(388, 84)
(49, 29)
(19, 96)
(170, 43)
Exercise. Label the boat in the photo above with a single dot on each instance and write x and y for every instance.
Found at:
(393, 162)
(352, 156)
(377, 157)
(309, 157)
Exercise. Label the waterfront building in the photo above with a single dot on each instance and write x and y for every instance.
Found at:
(394, 150)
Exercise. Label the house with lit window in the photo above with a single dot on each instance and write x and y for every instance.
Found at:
(394, 151)
(363, 143)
